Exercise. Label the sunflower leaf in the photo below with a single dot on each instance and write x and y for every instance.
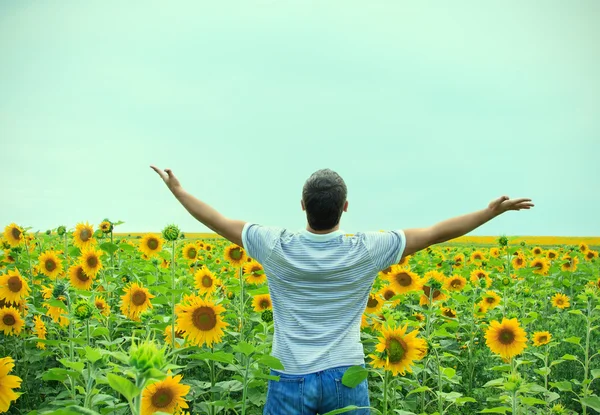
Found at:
(496, 410)
(57, 303)
(574, 340)
(109, 247)
(354, 375)
(591, 401)
(123, 386)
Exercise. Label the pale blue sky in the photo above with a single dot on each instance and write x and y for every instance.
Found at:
(427, 109)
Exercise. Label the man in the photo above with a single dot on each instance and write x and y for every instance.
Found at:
(319, 280)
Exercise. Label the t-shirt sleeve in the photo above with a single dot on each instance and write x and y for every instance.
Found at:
(259, 240)
(385, 248)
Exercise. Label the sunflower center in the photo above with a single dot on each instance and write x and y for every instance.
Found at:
(236, 253)
(404, 279)
(192, 253)
(207, 281)
(538, 265)
(99, 305)
(265, 304)
(387, 270)
(81, 275)
(559, 301)
(50, 264)
(542, 339)
(85, 235)
(388, 294)
(152, 243)
(490, 300)
(92, 261)
(372, 302)
(138, 298)
(476, 256)
(162, 398)
(396, 350)
(15, 284)
(204, 318)
(551, 255)
(16, 233)
(455, 284)
(9, 320)
(506, 336)
(519, 261)
(427, 291)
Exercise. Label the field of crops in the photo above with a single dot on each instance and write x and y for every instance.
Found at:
(97, 323)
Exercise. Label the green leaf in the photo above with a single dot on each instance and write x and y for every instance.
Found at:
(564, 386)
(100, 331)
(419, 390)
(244, 348)
(495, 382)
(93, 355)
(76, 366)
(448, 372)
(57, 303)
(123, 386)
(596, 373)
(544, 371)
(574, 340)
(527, 400)
(218, 356)
(354, 376)
(496, 410)
(272, 362)
(109, 247)
(464, 399)
(591, 401)
(569, 357)
(56, 373)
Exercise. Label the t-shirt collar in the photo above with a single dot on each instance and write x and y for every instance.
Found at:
(321, 237)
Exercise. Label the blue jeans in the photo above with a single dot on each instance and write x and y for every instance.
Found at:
(314, 393)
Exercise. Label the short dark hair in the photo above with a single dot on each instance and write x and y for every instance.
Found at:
(324, 195)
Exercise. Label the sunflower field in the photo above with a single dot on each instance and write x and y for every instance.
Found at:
(97, 323)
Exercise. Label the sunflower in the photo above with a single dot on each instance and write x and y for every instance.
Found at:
(420, 317)
(7, 383)
(40, 331)
(374, 304)
(151, 244)
(106, 226)
(436, 295)
(490, 300)
(235, 255)
(387, 292)
(478, 275)
(8, 257)
(164, 396)
(479, 310)
(205, 281)
(83, 237)
(190, 251)
(262, 302)
(583, 248)
(168, 335)
(560, 301)
(591, 254)
(404, 262)
(207, 247)
(435, 275)
(551, 254)
(495, 252)
(13, 234)
(90, 261)
(506, 339)
(541, 337)
(402, 280)
(102, 306)
(79, 278)
(58, 314)
(254, 273)
(50, 264)
(13, 287)
(455, 283)
(537, 250)
(540, 265)
(11, 321)
(448, 312)
(459, 260)
(135, 301)
(201, 320)
(477, 256)
(570, 264)
(397, 351)
(518, 261)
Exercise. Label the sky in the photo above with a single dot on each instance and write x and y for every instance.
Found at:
(428, 110)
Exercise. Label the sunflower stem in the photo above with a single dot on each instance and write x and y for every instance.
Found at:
(385, 390)
(242, 304)
(173, 298)
(212, 382)
(29, 262)
(248, 360)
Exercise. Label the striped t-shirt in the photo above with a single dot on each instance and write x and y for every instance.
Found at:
(319, 286)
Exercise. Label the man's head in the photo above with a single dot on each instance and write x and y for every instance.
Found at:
(324, 199)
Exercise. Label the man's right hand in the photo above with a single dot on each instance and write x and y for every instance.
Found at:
(168, 177)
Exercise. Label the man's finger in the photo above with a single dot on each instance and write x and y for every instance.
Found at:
(158, 171)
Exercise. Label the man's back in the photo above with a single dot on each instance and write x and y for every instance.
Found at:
(319, 286)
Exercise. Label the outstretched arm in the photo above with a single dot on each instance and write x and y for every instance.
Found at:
(228, 228)
(421, 238)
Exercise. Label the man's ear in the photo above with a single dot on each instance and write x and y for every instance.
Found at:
(302, 204)
(346, 206)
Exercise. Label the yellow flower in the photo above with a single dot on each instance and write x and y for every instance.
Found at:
(83, 237)
(402, 280)
(254, 273)
(518, 261)
(79, 278)
(90, 261)
(102, 306)
(13, 287)
(10, 321)
(168, 333)
(436, 295)
(164, 396)
(58, 314)
(50, 264)
(570, 264)
(7, 383)
(591, 254)
(455, 283)
(151, 244)
(541, 337)
(201, 320)
(537, 251)
(477, 256)
(374, 304)
(583, 248)
(560, 301)
(540, 265)
(506, 339)
(135, 301)
(13, 234)
(478, 276)
(190, 252)
(397, 351)
(490, 300)
(205, 281)
(551, 254)
(40, 331)
(235, 255)
(387, 292)
(262, 302)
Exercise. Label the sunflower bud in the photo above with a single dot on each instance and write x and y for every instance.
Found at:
(61, 230)
(83, 310)
(60, 289)
(48, 232)
(503, 241)
(146, 356)
(267, 316)
(106, 226)
(171, 232)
